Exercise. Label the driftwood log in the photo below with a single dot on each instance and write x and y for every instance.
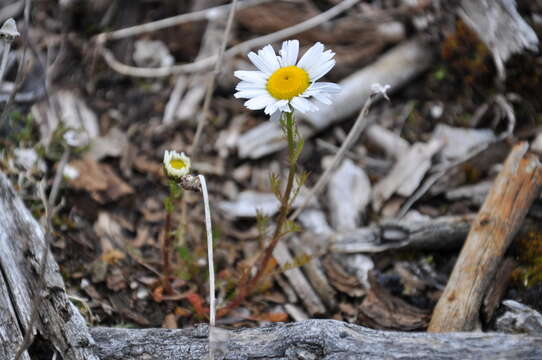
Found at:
(499, 219)
(311, 339)
(21, 247)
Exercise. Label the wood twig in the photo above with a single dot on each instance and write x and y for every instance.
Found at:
(206, 63)
(498, 220)
(152, 26)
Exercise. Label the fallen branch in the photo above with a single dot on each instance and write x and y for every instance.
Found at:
(310, 339)
(500, 217)
(446, 232)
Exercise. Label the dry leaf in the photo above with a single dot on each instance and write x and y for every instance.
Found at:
(112, 256)
(99, 180)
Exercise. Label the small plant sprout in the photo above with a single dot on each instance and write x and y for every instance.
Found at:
(281, 86)
(176, 166)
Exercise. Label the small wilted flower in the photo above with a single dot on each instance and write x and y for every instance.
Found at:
(282, 81)
(176, 164)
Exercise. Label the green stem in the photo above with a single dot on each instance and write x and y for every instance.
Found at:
(267, 255)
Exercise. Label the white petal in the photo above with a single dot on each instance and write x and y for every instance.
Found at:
(303, 105)
(270, 109)
(266, 60)
(321, 88)
(260, 64)
(259, 102)
(247, 85)
(289, 52)
(251, 76)
(311, 56)
(268, 55)
(319, 70)
(248, 94)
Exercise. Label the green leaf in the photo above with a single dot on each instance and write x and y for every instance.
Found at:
(275, 182)
(185, 254)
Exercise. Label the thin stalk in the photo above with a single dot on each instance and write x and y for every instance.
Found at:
(208, 228)
(265, 258)
(166, 256)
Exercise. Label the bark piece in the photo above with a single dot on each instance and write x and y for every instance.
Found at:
(70, 110)
(21, 246)
(500, 217)
(395, 68)
(348, 193)
(310, 299)
(314, 271)
(391, 143)
(407, 172)
(520, 319)
(459, 142)
(311, 339)
(440, 233)
(249, 203)
(500, 27)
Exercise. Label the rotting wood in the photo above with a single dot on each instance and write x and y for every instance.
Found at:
(21, 243)
(311, 339)
(500, 217)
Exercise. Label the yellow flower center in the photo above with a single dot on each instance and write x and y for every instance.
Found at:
(177, 164)
(287, 82)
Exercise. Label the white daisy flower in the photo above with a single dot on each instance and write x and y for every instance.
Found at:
(282, 81)
(176, 164)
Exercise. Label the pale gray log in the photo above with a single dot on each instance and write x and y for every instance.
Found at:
(440, 233)
(312, 339)
(21, 245)
(395, 68)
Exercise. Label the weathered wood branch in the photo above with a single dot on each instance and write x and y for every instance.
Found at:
(21, 245)
(445, 232)
(500, 217)
(311, 339)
